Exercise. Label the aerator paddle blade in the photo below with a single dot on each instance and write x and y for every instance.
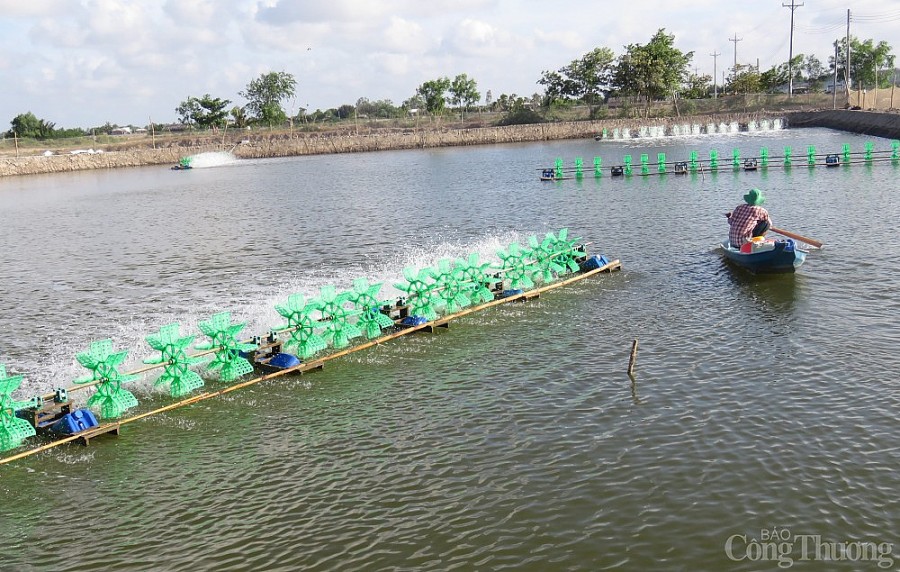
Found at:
(176, 373)
(103, 364)
(517, 269)
(420, 292)
(12, 429)
(545, 259)
(370, 318)
(336, 317)
(228, 359)
(477, 276)
(302, 325)
(566, 250)
(450, 287)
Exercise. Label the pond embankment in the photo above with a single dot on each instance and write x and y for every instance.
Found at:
(875, 123)
(353, 141)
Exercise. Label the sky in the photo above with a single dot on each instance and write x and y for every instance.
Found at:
(83, 63)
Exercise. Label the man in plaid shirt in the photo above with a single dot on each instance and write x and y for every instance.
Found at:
(748, 219)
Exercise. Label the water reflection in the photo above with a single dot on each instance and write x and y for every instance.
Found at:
(774, 295)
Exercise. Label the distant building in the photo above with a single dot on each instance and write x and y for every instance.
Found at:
(121, 131)
(799, 87)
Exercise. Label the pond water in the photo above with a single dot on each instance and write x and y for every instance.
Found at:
(513, 440)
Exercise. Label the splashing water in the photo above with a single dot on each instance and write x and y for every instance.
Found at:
(212, 159)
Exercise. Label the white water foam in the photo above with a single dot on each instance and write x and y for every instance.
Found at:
(259, 313)
(212, 159)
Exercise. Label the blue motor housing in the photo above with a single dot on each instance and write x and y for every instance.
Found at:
(594, 262)
(789, 245)
(413, 321)
(284, 361)
(511, 292)
(75, 422)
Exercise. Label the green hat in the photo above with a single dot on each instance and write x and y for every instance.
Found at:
(754, 197)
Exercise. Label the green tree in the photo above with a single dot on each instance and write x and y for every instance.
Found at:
(381, 109)
(213, 112)
(265, 94)
(464, 91)
(27, 125)
(432, 92)
(520, 113)
(697, 87)
(772, 78)
(745, 80)
(653, 71)
(345, 111)
(505, 102)
(205, 112)
(187, 110)
(585, 79)
(238, 116)
(815, 72)
(365, 108)
(416, 102)
(865, 58)
(813, 68)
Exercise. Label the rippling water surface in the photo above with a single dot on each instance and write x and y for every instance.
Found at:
(513, 440)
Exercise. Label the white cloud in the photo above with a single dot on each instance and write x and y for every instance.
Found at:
(32, 8)
(406, 37)
(476, 38)
(83, 62)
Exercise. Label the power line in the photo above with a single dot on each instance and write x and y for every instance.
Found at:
(876, 17)
(821, 29)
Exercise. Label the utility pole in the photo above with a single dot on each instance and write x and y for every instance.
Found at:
(834, 81)
(847, 71)
(715, 83)
(793, 6)
(735, 39)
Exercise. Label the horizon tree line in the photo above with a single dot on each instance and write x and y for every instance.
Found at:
(643, 73)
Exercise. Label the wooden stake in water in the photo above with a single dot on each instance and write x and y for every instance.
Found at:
(633, 358)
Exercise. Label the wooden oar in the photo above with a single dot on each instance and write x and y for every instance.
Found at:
(800, 237)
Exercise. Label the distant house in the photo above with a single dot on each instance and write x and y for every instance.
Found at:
(140, 130)
(121, 131)
(799, 87)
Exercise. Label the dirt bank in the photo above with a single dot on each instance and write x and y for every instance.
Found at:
(880, 124)
(286, 145)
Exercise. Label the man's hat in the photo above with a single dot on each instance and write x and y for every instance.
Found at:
(754, 197)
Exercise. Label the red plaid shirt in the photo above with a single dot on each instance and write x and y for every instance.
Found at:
(742, 220)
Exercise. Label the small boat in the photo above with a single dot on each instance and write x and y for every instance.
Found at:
(681, 168)
(765, 255)
(832, 160)
(548, 175)
(617, 171)
(751, 165)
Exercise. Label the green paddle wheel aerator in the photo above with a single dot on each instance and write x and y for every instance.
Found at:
(331, 320)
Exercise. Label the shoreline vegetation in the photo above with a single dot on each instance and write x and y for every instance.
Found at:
(360, 137)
